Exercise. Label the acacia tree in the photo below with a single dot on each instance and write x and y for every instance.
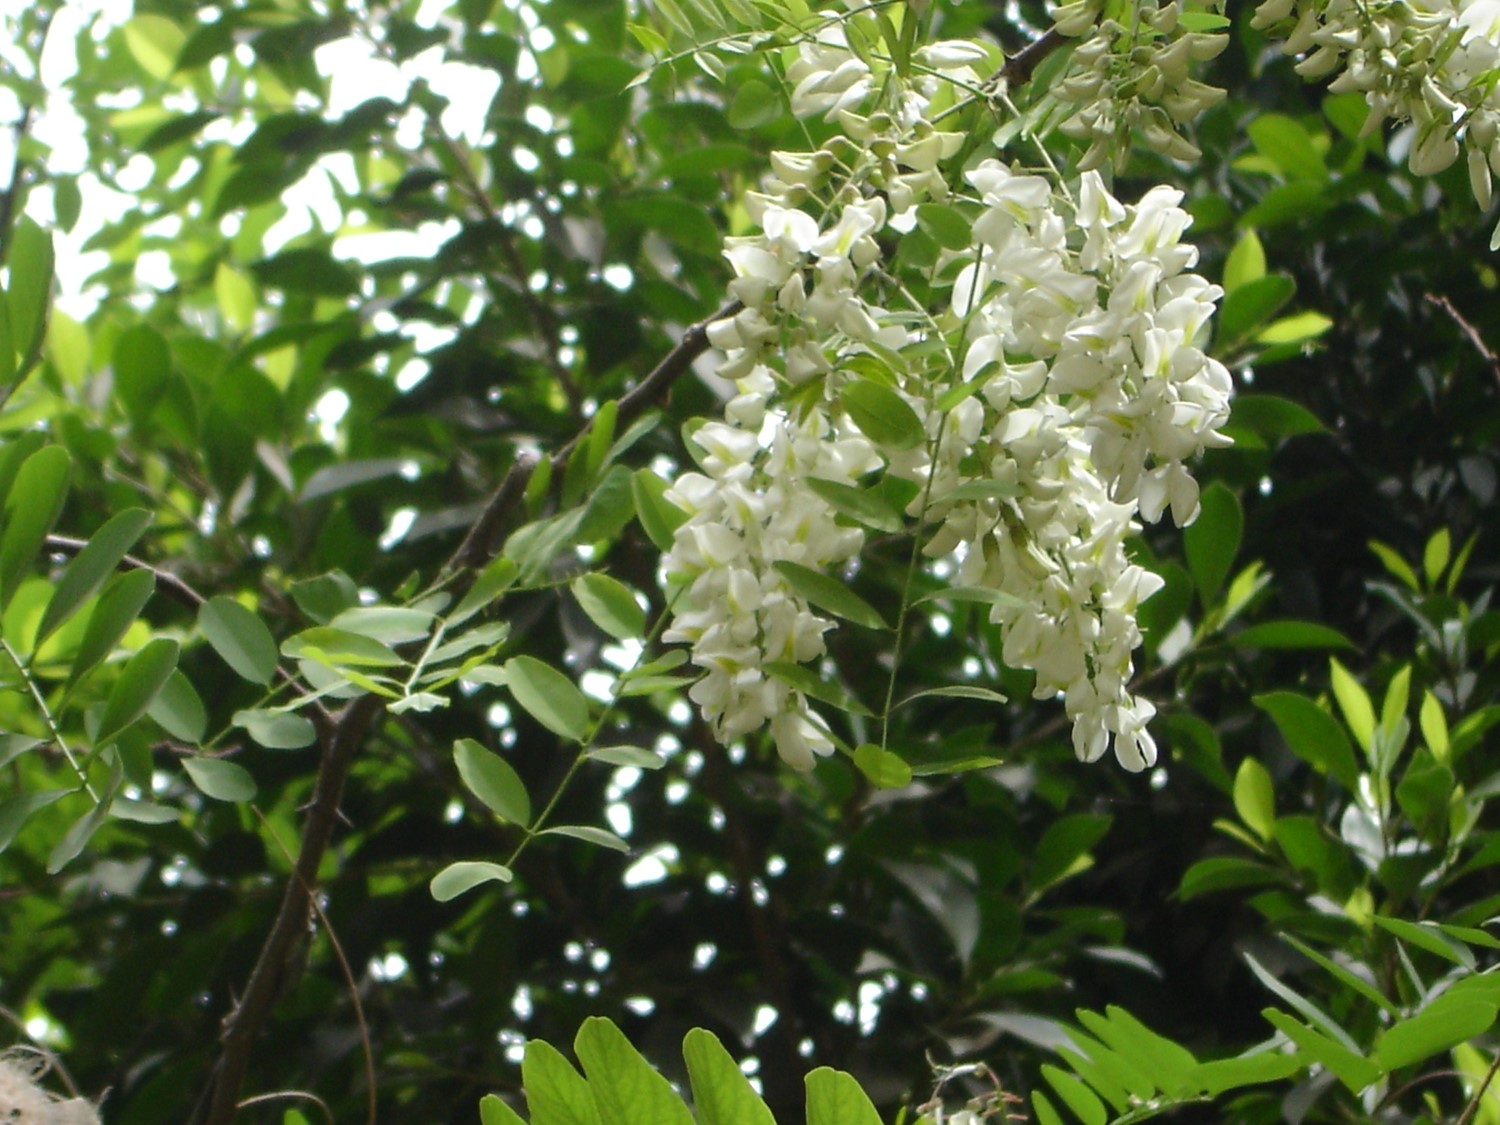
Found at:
(674, 574)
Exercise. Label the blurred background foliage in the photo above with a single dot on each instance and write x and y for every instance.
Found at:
(327, 269)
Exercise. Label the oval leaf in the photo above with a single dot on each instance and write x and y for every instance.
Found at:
(220, 779)
(178, 710)
(277, 730)
(239, 637)
(830, 594)
(96, 562)
(610, 605)
(465, 875)
(35, 501)
(490, 778)
(882, 415)
(548, 696)
(140, 680)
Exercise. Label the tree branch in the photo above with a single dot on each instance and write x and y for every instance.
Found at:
(277, 966)
(1019, 68)
(479, 545)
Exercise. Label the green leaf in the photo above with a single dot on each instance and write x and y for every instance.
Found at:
(143, 812)
(496, 578)
(1313, 734)
(632, 756)
(556, 1094)
(1290, 635)
(1222, 1075)
(882, 415)
(1437, 1028)
(1075, 1095)
(658, 516)
(178, 710)
(602, 837)
(491, 778)
(154, 41)
(240, 638)
(1225, 873)
(830, 594)
(1398, 567)
(754, 104)
(810, 684)
(236, 297)
(863, 506)
(981, 594)
(1426, 935)
(1046, 1112)
(722, 1095)
(1246, 262)
(1212, 541)
(220, 779)
(325, 644)
(91, 566)
(465, 875)
(325, 596)
(1294, 329)
(137, 685)
(883, 769)
(956, 691)
(76, 838)
(1251, 305)
(1354, 1072)
(492, 1111)
(1064, 848)
(626, 1088)
(32, 507)
(142, 369)
(30, 258)
(611, 605)
(15, 811)
(1358, 712)
(1288, 146)
(388, 624)
(947, 226)
(277, 730)
(1437, 554)
(1273, 417)
(115, 611)
(548, 696)
(835, 1098)
(1255, 798)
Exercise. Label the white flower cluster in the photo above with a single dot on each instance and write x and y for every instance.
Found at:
(1060, 390)
(1134, 77)
(1433, 62)
(1081, 325)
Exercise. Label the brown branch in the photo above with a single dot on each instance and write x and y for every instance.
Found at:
(1019, 68)
(1468, 330)
(479, 545)
(277, 966)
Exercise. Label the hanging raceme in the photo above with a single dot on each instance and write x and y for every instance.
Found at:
(1051, 401)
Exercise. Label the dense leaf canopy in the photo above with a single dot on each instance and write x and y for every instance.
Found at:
(347, 350)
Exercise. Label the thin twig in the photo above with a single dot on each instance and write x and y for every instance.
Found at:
(1484, 1084)
(479, 544)
(1468, 330)
(338, 953)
